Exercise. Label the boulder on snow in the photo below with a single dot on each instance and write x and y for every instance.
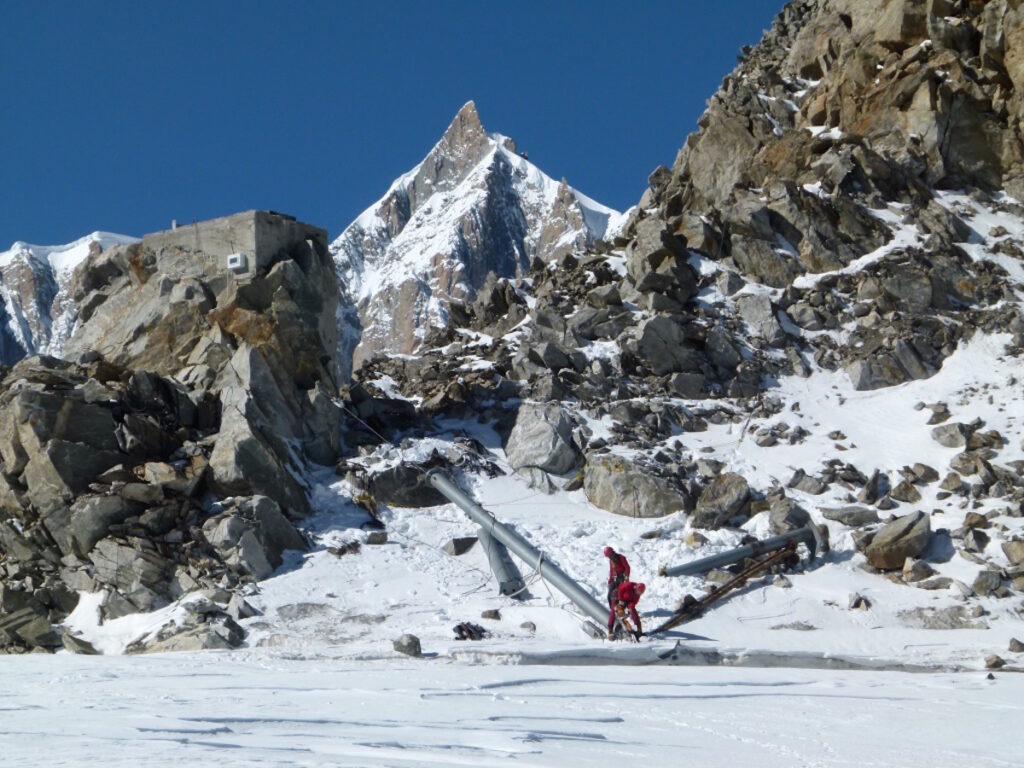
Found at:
(403, 485)
(621, 486)
(76, 644)
(725, 497)
(953, 435)
(459, 545)
(916, 570)
(409, 645)
(905, 491)
(986, 582)
(904, 537)
(542, 439)
(786, 515)
(809, 484)
(1014, 551)
(875, 372)
(376, 538)
(852, 516)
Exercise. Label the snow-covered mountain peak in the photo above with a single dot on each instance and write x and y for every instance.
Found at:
(474, 206)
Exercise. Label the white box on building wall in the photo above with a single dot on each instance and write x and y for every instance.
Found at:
(237, 262)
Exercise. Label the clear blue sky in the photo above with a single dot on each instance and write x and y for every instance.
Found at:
(120, 116)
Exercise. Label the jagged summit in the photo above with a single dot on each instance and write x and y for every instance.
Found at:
(472, 207)
(463, 145)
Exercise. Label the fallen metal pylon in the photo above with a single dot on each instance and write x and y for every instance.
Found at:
(694, 609)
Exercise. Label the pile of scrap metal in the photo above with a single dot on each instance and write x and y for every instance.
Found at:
(467, 631)
(760, 557)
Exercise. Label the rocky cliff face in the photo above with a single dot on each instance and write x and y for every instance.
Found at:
(852, 161)
(37, 315)
(171, 457)
(473, 207)
(264, 345)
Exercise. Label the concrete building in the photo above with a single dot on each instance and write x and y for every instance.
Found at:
(243, 243)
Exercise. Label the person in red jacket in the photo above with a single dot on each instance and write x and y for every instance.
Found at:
(627, 596)
(618, 572)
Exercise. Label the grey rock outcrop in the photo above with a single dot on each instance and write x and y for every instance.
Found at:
(663, 347)
(85, 508)
(986, 582)
(113, 465)
(205, 626)
(1014, 551)
(403, 485)
(952, 435)
(786, 515)
(252, 537)
(950, 617)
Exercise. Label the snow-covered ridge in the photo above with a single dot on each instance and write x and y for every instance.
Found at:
(36, 314)
(63, 258)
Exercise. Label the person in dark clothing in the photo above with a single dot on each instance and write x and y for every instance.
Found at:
(618, 572)
(627, 596)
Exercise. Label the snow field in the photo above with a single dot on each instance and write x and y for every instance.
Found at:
(267, 708)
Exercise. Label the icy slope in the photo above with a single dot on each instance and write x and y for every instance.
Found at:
(37, 315)
(472, 207)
